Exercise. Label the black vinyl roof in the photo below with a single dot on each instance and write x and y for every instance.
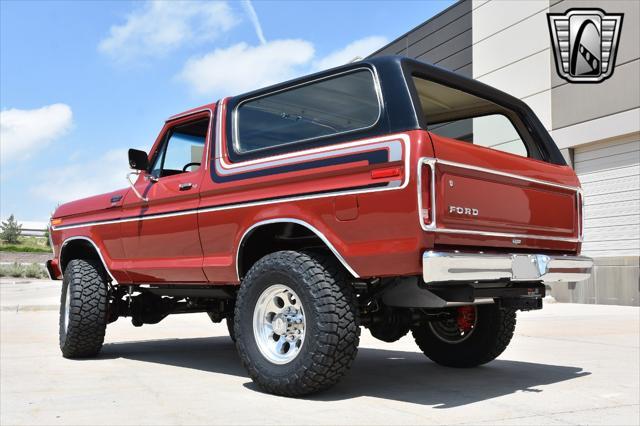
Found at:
(401, 106)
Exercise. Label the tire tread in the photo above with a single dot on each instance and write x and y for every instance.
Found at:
(339, 332)
(486, 346)
(88, 318)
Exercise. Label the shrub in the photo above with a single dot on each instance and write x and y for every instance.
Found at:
(16, 270)
(13, 270)
(10, 230)
(34, 271)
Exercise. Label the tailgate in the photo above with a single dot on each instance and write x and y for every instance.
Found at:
(487, 197)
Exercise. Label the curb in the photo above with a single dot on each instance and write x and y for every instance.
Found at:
(29, 308)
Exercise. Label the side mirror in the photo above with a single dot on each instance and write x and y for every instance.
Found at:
(138, 160)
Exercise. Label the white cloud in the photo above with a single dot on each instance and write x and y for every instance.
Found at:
(357, 49)
(84, 178)
(253, 16)
(22, 131)
(160, 27)
(241, 67)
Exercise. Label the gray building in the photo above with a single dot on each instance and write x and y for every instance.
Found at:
(506, 44)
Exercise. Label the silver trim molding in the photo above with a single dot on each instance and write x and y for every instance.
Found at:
(433, 226)
(298, 222)
(401, 137)
(506, 174)
(95, 246)
(465, 267)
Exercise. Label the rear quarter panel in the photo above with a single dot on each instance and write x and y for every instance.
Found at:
(320, 187)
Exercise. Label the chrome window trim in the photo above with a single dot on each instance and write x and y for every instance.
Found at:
(298, 222)
(433, 226)
(95, 246)
(235, 119)
(208, 138)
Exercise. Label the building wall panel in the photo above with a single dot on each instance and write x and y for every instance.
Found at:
(514, 43)
(610, 176)
(444, 40)
(577, 103)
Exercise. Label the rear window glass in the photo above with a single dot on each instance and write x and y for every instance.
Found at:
(319, 109)
(455, 114)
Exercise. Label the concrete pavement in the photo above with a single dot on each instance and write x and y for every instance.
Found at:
(25, 294)
(568, 364)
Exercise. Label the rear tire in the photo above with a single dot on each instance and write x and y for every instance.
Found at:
(490, 336)
(304, 297)
(83, 309)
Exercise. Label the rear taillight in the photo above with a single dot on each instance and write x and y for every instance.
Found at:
(425, 193)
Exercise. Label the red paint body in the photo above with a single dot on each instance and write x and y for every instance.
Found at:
(193, 236)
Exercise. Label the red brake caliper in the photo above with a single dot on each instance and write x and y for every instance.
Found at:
(466, 317)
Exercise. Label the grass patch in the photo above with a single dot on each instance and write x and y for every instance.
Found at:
(27, 245)
(23, 249)
(16, 270)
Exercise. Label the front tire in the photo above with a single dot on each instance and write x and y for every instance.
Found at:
(444, 344)
(296, 323)
(83, 309)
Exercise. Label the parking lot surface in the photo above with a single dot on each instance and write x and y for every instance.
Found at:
(567, 364)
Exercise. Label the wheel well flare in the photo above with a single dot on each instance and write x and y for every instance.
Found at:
(282, 234)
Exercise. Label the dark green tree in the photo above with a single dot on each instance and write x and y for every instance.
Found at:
(10, 231)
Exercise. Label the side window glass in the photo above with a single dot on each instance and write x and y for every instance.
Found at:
(496, 131)
(182, 150)
(492, 131)
(456, 114)
(157, 162)
(340, 104)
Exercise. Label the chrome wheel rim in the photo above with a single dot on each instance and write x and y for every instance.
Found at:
(67, 308)
(449, 332)
(279, 324)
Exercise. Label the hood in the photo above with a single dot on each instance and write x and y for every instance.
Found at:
(91, 204)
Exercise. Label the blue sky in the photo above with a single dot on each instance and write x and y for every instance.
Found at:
(81, 82)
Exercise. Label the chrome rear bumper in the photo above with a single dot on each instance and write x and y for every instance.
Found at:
(446, 266)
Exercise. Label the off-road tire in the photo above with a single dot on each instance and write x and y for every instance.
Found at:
(84, 335)
(491, 336)
(332, 331)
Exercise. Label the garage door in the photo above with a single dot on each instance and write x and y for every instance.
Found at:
(610, 176)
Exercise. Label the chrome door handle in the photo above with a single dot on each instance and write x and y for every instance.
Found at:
(185, 186)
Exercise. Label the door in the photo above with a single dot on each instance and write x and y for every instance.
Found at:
(160, 235)
(610, 176)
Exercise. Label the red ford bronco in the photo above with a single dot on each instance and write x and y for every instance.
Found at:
(386, 193)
